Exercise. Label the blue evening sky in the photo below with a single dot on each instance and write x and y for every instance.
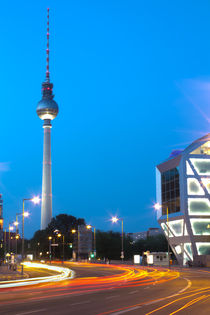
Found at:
(132, 81)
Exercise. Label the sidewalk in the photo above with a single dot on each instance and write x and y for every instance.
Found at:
(7, 274)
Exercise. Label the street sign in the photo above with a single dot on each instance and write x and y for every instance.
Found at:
(54, 244)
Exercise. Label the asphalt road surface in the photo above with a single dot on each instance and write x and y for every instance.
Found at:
(101, 289)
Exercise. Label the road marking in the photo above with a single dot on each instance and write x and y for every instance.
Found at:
(112, 296)
(125, 311)
(132, 292)
(189, 283)
(83, 302)
(30, 312)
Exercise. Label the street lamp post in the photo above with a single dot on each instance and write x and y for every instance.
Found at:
(16, 232)
(50, 248)
(114, 220)
(35, 200)
(63, 243)
(5, 243)
(10, 229)
(157, 206)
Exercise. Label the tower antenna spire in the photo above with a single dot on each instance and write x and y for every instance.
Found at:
(48, 50)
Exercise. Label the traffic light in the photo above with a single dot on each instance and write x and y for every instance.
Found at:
(70, 245)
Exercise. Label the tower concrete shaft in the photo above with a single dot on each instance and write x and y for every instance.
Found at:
(46, 211)
(47, 110)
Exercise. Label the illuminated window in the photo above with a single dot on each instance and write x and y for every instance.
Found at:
(185, 259)
(198, 206)
(165, 229)
(194, 187)
(203, 248)
(200, 226)
(202, 166)
(178, 249)
(206, 183)
(188, 249)
(189, 169)
(203, 149)
(176, 227)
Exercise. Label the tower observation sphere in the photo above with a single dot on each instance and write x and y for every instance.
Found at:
(47, 110)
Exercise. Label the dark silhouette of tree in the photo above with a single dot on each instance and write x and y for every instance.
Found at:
(64, 224)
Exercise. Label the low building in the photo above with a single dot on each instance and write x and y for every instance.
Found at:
(83, 242)
(1, 228)
(183, 194)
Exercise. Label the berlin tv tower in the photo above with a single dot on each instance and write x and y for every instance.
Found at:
(47, 110)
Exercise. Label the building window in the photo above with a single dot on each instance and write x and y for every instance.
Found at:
(202, 166)
(176, 227)
(200, 226)
(198, 206)
(203, 248)
(170, 191)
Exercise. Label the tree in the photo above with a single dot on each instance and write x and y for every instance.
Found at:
(109, 245)
(64, 224)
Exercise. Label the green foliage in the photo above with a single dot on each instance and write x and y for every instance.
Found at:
(153, 244)
(64, 224)
(109, 244)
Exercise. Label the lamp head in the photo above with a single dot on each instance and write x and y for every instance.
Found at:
(114, 219)
(157, 206)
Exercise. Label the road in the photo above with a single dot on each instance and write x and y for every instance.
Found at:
(101, 289)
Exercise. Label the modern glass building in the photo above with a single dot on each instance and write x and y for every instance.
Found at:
(183, 187)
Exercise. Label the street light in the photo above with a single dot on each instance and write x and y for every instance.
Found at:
(115, 220)
(16, 232)
(35, 200)
(50, 251)
(59, 235)
(157, 206)
(94, 237)
(11, 228)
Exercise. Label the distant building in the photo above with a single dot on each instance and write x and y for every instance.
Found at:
(183, 188)
(143, 235)
(82, 242)
(1, 225)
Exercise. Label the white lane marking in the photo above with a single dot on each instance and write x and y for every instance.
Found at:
(78, 303)
(132, 292)
(125, 311)
(189, 283)
(30, 312)
(112, 296)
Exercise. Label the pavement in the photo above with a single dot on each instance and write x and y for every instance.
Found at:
(103, 290)
(8, 274)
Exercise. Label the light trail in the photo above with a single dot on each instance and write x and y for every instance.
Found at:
(63, 274)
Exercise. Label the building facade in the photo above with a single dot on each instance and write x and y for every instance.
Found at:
(183, 193)
(1, 226)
